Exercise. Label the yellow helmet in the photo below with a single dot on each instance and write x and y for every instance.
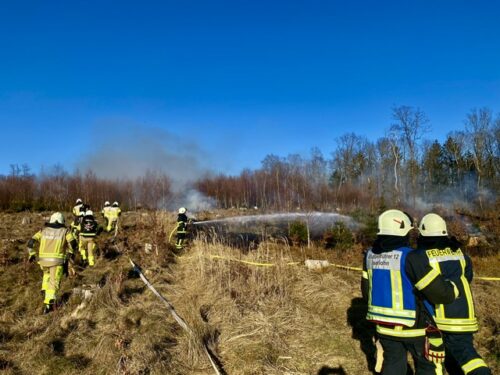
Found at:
(182, 210)
(56, 217)
(394, 223)
(432, 225)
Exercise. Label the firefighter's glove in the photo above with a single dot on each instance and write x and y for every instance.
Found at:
(31, 256)
(434, 345)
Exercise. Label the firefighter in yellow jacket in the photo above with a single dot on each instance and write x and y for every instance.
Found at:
(111, 216)
(105, 213)
(78, 209)
(57, 243)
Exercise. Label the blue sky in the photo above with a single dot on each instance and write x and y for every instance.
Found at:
(235, 80)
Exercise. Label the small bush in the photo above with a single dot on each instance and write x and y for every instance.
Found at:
(367, 234)
(338, 237)
(297, 232)
(20, 206)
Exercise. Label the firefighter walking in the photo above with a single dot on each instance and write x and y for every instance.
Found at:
(181, 229)
(439, 255)
(105, 213)
(78, 209)
(88, 229)
(57, 243)
(111, 215)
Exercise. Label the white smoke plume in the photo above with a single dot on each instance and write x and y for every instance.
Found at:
(128, 151)
(193, 200)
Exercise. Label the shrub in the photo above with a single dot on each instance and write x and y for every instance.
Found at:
(338, 237)
(297, 232)
(367, 233)
(20, 206)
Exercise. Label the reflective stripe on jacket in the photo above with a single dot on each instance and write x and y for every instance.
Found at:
(53, 242)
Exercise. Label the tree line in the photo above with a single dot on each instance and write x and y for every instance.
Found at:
(402, 167)
(56, 189)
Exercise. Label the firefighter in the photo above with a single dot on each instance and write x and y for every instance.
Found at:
(57, 243)
(111, 216)
(182, 221)
(105, 213)
(88, 230)
(75, 224)
(78, 209)
(392, 306)
(78, 212)
(440, 255)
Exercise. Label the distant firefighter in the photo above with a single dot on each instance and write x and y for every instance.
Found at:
(182, 221)
(111, 216)
(75, 224)
(57, 243)
(78, 209)
(88, 230)
(105, 213)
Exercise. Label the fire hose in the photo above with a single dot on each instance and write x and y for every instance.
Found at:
(214, 361)
(171, 234)
(325, 263)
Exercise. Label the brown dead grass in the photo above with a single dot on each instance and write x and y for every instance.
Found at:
(258, 320)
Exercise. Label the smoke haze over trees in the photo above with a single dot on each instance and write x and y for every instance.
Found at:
(401, 167)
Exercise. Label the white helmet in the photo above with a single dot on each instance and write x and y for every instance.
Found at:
(89, 213)
(78, 201)
(106, 203)
(394, 223)
(56, 217)
(182, 210)
(115, 204)
(432, 225)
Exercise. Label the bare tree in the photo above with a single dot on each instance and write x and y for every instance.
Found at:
(409, 127)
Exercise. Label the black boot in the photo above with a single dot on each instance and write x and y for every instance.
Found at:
(48, 308)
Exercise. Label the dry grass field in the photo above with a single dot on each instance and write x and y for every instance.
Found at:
(257, 319)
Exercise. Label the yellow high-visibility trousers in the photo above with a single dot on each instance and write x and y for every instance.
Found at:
(87, 246)
(51, 282)
(110, 224)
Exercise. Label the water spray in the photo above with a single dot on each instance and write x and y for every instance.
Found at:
(316, 222)
(318, 218)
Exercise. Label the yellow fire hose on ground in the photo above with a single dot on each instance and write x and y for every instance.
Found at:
(325, 262)
(171, 234)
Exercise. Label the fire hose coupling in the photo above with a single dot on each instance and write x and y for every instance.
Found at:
(135, 267)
